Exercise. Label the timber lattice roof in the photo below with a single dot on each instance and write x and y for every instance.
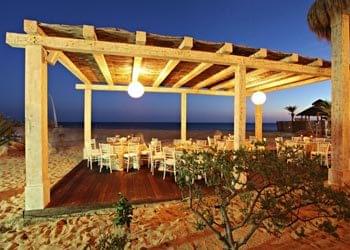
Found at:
(101, 68)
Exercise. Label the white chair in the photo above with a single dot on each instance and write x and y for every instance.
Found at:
(220, 145)
(229, 145)
(320, 140)
(296, 138)
(210, 142)
(118, 151)
(306, 139)
(156, 154)
(322, 150)
(105, 156)
(177, 142)
(252, 139)
(135, 139)
(92, 153)
(279, 144)
(201, 143)
(111, 139)
(132, 156)
(169, 164)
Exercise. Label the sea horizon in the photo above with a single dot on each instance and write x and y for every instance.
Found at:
(223, 126)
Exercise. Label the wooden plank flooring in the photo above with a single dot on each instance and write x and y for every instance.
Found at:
(84, 187)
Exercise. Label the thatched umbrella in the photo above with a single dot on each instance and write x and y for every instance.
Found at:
(320, 14)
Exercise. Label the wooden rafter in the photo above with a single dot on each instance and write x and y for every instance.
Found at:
(281, 76)
(186, 44)
(255, 73)
(261, 53)
(89, 34)
(31, 27)
(99, 87)
(295, 84)
(53, 57)
(123, 49)
(225, 49)
(140, 40)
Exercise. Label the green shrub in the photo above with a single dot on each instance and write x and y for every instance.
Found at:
(6, 129)
(273, 192)
(124, 212)
(112, 241)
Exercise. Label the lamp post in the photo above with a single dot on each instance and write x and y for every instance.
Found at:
(258, 98)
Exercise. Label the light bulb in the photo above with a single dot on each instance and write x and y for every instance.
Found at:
(258, 98)
(136, 89)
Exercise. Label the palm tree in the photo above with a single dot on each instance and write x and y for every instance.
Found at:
(291, 110)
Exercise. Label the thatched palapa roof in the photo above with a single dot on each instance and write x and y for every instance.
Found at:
(320, 14)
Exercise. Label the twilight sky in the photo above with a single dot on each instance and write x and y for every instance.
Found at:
(273, 24)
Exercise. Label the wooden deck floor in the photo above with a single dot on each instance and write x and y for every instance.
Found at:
(84, 187)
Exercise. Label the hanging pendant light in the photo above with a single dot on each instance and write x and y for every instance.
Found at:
(136, 89)
(259, 98)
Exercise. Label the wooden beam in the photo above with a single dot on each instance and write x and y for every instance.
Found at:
(295, 84)
(261, 53)
(37, 189)
(68, 64)
(87, 118)
(53, 57)
(140, 40)
(124, 49)
(280, 76)
(339, 173)
(186, 44)
(100, 87)
(253, 74)
(240, 108)
(183, 116)
(31, 27)
(89, 34)
(225, 49)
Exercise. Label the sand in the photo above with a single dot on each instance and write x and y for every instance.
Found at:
(156, 226)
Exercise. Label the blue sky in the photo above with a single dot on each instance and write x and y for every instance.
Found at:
(273, 24)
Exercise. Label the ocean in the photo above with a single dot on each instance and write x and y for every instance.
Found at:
(267, 127)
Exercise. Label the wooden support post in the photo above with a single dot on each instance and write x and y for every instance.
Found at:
(240, 107)
(87, 117)
(37, 189)
(183, 116)
(259, 122)
(339, 173)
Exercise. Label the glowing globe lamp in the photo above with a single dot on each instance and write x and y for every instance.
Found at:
(136, 89)
(258, 98)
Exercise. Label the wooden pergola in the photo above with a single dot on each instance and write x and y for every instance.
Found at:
(108, 59)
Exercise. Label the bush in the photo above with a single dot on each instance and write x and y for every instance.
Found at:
(124, 212)
(275, 192)
(112, 241)
(6, 129)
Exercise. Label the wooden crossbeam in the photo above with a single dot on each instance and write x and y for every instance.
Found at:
(99, 87)
(253, 74)
(280, 76)
(90, 34)
(225, 49)
(53, 57)
(147, 51)
(68, 64)
(31, 27)
(186, 44)
(140, 40)
(300, 83)
(261, 53)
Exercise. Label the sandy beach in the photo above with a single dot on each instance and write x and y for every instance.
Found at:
(167, 225)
